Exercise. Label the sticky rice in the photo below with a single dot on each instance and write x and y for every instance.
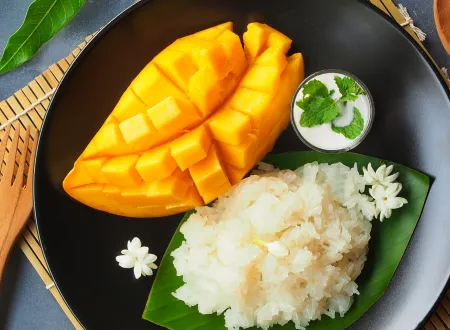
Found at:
(318, 213)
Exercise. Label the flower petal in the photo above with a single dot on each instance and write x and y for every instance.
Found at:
(391, 178)
(150, 258)
(137, 270)
(153, 266)
(125, 261)
(146, 270)
(393, 189)
(134, 244)
(377, 192)
(380, 173)
(389, 170)
(142, 252)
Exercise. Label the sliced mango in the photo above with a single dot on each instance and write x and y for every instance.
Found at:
(128, 106)
(121, 171)
(178, 66)
(156, 164)
(209, 173)
(151, 86)
(193, 122)
(229, 126)
(190, 148)
(241, 155)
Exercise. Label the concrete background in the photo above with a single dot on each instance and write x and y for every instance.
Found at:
(25, 304)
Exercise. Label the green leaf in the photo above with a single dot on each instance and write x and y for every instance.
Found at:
(354, 129)
(43, 20)
(348, 88)
(320, 111)
(386, 247)
(315, 88)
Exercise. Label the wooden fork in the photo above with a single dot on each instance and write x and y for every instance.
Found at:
(16, 200)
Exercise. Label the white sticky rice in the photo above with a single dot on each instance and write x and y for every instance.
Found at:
(317, 212)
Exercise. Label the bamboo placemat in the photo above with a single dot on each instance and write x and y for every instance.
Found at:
(37, 95)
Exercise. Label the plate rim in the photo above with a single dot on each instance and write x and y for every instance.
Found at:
(136, 6)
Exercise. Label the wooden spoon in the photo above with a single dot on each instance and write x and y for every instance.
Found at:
(442, 19)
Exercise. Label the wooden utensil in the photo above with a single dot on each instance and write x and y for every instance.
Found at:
(15, 192)
(442, 19)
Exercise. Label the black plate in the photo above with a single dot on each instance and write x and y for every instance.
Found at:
(412, 126)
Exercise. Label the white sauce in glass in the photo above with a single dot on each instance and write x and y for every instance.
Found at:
(323, 136)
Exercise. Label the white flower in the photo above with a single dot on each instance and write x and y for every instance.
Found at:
(137, 257)
(386, 199)
(382, 176)
(362, 203)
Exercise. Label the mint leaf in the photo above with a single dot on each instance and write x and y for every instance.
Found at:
(315, 88)
(349, 88)
(354, 129)
(320, 111)
(332, 92)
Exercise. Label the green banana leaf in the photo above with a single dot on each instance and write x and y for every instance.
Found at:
(387, 245)
(44, 19)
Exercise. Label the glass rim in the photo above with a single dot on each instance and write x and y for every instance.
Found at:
(370, 118)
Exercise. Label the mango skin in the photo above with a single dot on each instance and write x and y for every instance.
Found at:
(193, 123)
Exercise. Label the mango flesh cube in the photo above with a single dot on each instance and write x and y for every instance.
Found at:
(203, 91)
(77, 177)
(174, 114)
(242, 155)
(234, 51)
(229, 126)
(137, 131)
(156, 164)
(262, 78)
(94, 168)
(254, 40)
(178, 66)
(128, 106)
(277, 39)
(214, 32)
(152, 87)
(253, 103)
(208, 173)
(191, 124)
(107, 142)
(190, 148)
(273, 57)
(121, 171)
(212, 194)
(166, 191)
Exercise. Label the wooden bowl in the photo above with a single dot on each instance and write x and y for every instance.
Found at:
(442, 19)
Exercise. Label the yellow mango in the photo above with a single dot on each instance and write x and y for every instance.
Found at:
(229, 126)
(178, 66)
(253, 103)
(273, 57)
(138, 131)
(167, 191)
(212, 194)
(214, 32)
(254, 40)
(121, 171)
(192, 123)
(190, 148)
(77, 177)
(174, 114)
(151, 86)
(128, 106)
(241, 155)
(156, 164)
(208, 173)
(261, 78)
(234, 51)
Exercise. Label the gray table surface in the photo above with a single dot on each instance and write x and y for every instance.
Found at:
(25, 304)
